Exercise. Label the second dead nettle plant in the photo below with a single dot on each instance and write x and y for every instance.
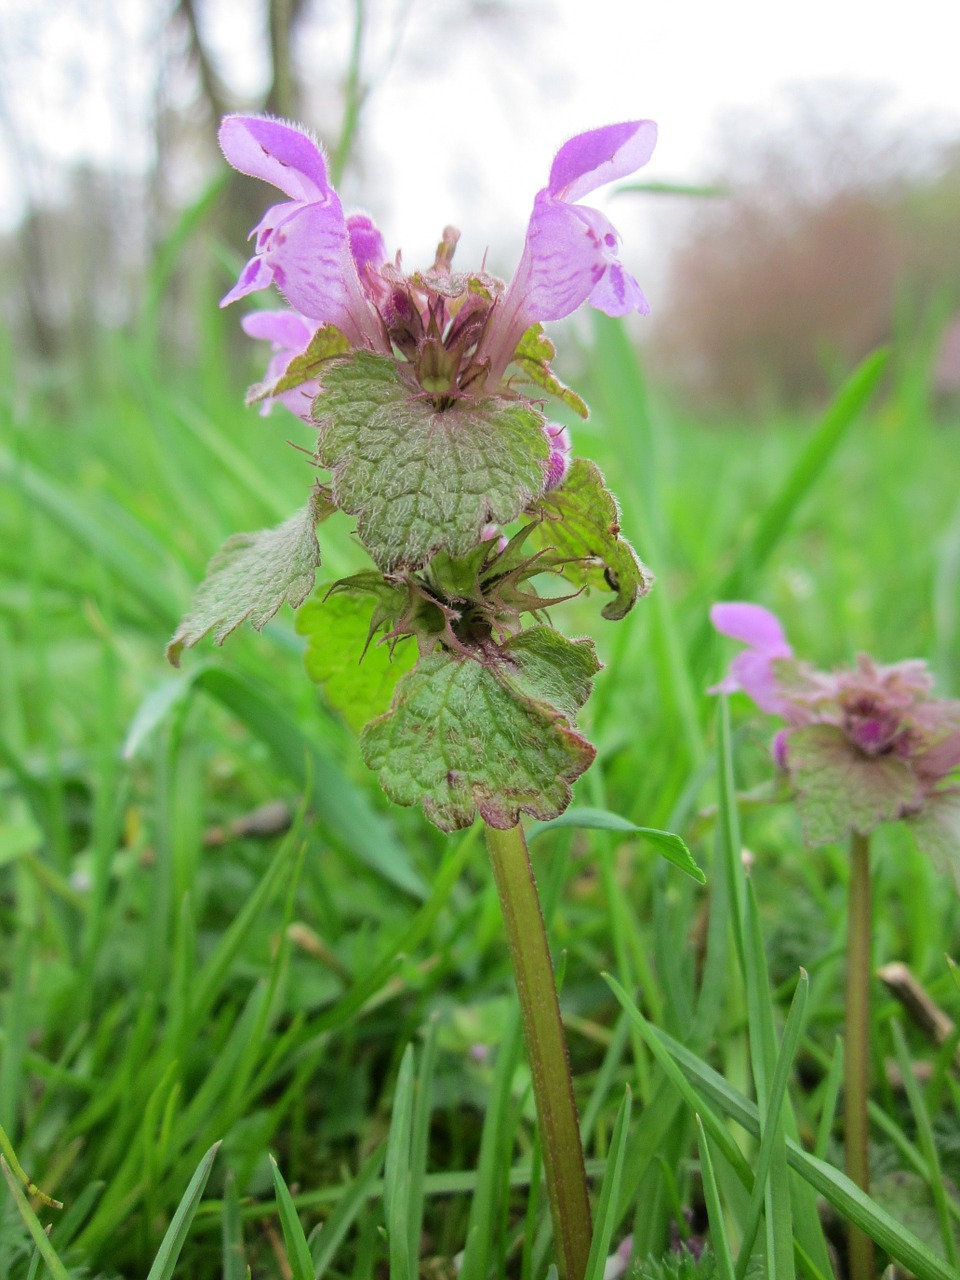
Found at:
(862, 746)
(427, 392)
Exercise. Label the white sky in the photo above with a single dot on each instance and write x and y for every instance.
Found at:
(463, 126)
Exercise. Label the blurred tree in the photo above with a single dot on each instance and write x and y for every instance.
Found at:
(840, 218)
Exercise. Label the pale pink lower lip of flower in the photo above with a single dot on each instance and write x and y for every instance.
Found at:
(752, 671)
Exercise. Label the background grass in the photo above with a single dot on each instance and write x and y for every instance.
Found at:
(183, 967)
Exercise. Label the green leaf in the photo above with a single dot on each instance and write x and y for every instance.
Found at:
(250, 577)
(669, 845)
(465, 735)
(176, 1234)
(326, 343)
(839, 789)
(423, 479)
(358, 677)
(582, 522)
(544, 666)
(533, 355)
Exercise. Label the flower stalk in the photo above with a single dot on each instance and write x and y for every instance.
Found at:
(546, 1049)
(856, 1057)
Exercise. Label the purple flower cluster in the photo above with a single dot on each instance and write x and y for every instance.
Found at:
(459, 332)
(878, 730)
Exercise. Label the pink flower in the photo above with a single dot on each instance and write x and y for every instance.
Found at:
(570, 255)
(333, 269)
(304, 245)
(863, 744)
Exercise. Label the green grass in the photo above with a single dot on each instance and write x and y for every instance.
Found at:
(332, 1005)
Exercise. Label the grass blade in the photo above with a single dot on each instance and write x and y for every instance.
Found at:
(420, 1135)
(845, 1196)
(711, 1196)
(773, 1134)
(396, 1175)
(298, 1251)
(176, 1233)
(605, 1218)
(831, 1094)
(324, 1244)
(926, 1142)
(234, 1258)
(495, 1144)
(775, 519)
(341, 806)
(33, 1224)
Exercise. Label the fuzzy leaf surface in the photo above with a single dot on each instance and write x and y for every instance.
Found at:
(419, 479)
(250, 577)
(464, 736)
(839, 789)
(582, 521)
(533, 354)
(358, 679)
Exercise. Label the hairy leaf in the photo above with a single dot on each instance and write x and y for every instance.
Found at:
(358, 677)
(464, 735)
(839, 789)
(533, 355)
(582, 522)
(251, 576)
(422, 479)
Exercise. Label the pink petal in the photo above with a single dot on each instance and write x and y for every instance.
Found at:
(306, 256)
(366, 243)
(255, 275)
(600, 156)
(618, 294)
(562, 262)
(285, 329)
(751, 624)
(278, 153)
(753, 673)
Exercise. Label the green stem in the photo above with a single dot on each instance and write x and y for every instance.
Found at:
(546, 1048)
(856, 1057)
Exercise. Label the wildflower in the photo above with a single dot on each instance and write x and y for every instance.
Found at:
(863, 744)
(305, 245)
(460, 332)
(570, 251)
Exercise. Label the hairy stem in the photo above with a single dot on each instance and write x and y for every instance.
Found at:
(856, 1056)
(546, 1050)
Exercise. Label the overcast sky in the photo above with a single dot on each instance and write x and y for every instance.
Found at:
(463, 125)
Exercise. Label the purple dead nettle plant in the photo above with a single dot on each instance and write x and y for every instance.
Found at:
(427, 391)
(862, 745)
